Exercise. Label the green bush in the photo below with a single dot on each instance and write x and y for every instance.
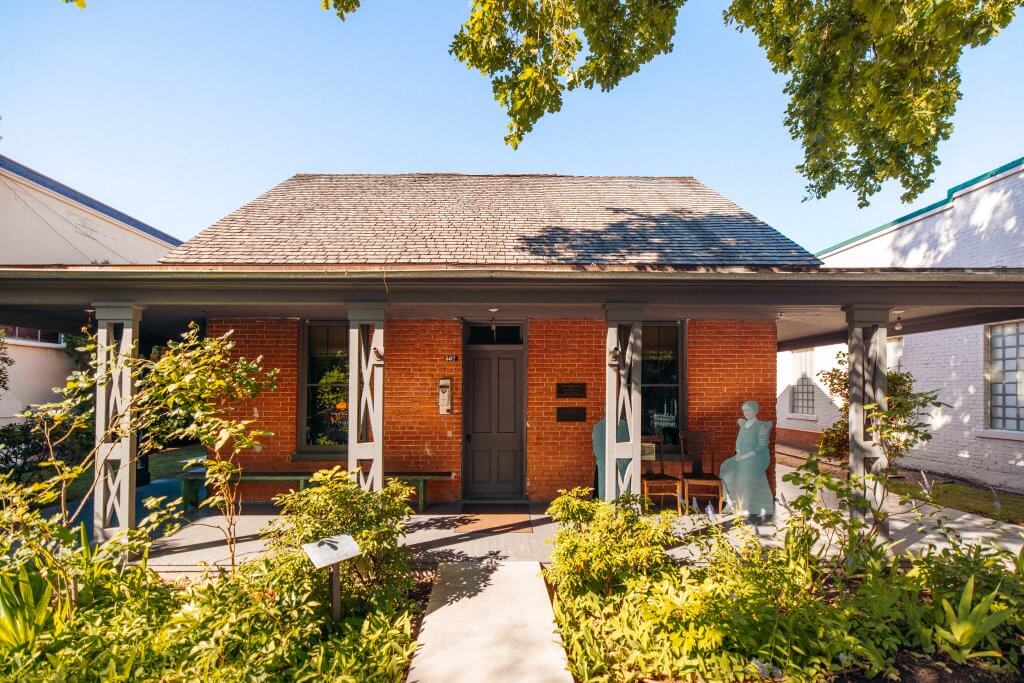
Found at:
(826, 599)
(267, 621)
(334, 504)
(599, 545)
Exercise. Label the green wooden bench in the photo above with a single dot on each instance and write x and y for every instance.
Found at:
(419, 480)
(192, 479)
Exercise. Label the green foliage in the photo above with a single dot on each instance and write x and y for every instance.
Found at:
(333, 504)
(835, 439)
(872, 86)
(533, 50)
(827, 598)
(24, 607)
(70, 611)
(962, 631)
(599, 545)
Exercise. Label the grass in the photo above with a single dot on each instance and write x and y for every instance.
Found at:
(162, 465)
(1005, 507)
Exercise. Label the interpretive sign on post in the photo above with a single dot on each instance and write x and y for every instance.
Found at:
(329, 552)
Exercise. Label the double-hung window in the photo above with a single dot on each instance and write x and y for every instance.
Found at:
(661, 384)
(323, 398)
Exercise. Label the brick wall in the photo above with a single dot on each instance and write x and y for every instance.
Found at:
(560, 454)
(729, 362)
(797, 438)
(277, 340)
(416, 436)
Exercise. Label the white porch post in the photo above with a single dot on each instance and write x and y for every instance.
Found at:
(866, 326)
(117, 329)
(366, 394)
(622, 403)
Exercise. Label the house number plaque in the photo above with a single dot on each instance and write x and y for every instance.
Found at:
(451, 358)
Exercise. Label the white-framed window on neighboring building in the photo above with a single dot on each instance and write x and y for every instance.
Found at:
(894, 353)
(801, 397)
(1005, 382)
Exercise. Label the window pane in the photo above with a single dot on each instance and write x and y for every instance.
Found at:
(660, 352)
(327, 386)
(660, 407)
(501, 334)
(326, 417)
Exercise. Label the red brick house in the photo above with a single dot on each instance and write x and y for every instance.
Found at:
(504, 435)
(482, 325)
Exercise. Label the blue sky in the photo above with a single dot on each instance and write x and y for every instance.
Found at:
(179, 112)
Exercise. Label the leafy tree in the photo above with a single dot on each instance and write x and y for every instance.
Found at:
(835, 439)
(872, 85)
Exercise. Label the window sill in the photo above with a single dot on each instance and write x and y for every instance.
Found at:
(1001, 434)
(320, 457)
(803, 417)
(16, 341)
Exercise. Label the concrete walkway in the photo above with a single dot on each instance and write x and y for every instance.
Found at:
(489, 621)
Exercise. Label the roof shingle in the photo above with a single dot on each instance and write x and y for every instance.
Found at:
(452, 219)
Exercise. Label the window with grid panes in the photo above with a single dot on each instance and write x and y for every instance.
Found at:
(801, 398)
(1005, 389)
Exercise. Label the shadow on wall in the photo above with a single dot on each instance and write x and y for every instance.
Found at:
(984, 228)
(679, 237)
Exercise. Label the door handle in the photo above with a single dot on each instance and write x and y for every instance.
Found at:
(469, 437)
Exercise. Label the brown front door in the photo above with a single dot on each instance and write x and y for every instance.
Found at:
(493, 451)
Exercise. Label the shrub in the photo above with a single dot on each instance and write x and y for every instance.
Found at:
(600, 545)
(75, 611)
(835, 439)
(827, 598)
(334, 504)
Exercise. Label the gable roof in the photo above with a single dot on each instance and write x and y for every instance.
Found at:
(453, 219)
(74, 195)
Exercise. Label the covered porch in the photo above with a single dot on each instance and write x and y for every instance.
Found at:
(422, 396)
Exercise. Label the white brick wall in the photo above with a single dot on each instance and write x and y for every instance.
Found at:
(983, 225)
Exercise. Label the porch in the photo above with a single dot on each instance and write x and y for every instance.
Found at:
(440, 535)
(420, 395)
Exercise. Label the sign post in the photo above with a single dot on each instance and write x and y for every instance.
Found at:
(330, 552)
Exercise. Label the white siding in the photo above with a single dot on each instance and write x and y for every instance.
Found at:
(38, 226)
(983, 225)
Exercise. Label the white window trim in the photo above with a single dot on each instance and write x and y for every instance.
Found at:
(17, 341)
(803, 417)
(987, 432)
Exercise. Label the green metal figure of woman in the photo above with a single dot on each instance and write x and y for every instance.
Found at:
(744, 474)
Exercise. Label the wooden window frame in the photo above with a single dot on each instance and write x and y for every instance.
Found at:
(301, 447)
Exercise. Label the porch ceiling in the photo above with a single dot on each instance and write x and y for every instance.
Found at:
(807, 305)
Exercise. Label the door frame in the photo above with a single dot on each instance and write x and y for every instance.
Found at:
(467, 396)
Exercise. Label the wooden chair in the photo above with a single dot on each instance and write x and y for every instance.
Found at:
(658, 484)
(693, 443)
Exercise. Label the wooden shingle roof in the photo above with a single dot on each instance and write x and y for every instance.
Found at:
(500, 220)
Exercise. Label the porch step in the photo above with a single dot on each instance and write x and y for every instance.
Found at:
(489, 621)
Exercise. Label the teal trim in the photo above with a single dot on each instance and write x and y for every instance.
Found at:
(931, 207)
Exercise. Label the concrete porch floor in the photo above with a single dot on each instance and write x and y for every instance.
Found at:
(434, 536)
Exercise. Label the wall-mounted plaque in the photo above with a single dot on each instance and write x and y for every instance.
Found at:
(570, 390)
(451, 358)
(571, 414)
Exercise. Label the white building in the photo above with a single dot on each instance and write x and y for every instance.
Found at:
(43, 221)
(978, 369)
